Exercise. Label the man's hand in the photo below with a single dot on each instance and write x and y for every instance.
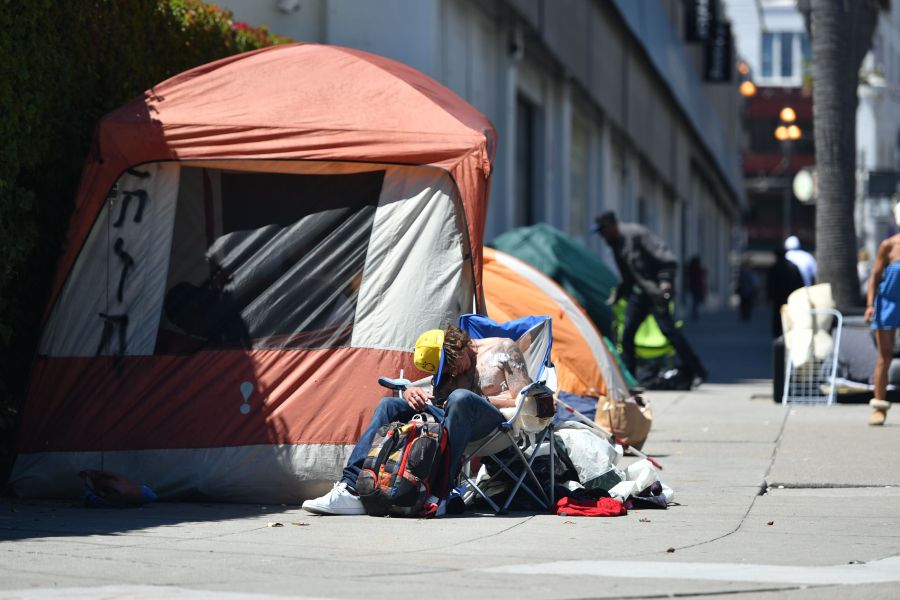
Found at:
(665, 289)
(870, 314)
(417, 398)
(613, 298)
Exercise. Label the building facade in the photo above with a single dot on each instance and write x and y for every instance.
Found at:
(773, 43)
(627, 105)
(878, 134)
(772, 39)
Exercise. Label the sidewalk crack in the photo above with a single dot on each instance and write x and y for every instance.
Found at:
(709, 594)
(763, 487)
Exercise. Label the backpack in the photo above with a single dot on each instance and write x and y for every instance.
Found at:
(406, 471)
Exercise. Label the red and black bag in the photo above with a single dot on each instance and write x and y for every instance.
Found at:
(405, 473)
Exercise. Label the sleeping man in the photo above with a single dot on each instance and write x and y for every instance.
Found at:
(472, 380)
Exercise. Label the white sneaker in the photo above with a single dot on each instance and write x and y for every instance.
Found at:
(339, 501)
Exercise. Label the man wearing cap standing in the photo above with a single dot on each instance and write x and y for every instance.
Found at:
(648, 268)
(471, 380)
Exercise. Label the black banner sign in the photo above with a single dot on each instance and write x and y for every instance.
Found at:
(699, 17)
(719, 65)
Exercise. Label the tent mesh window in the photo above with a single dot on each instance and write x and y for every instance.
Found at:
(266, 260)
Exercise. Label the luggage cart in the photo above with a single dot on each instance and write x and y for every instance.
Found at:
(814, 381)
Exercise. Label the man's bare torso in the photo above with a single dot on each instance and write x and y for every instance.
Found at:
(495, 358)
(893, 254)
(498, 373)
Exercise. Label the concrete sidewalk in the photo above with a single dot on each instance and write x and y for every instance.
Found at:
(803, 503)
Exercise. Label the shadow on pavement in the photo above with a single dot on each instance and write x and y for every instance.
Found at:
(36, 519)
(732, 350)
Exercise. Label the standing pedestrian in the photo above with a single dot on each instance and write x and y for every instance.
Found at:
(648, 268)
(883, 312)
(696, 285)
(805, 261)
(783, 278)
(746, 289)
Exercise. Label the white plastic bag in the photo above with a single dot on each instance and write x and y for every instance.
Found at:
(638, 477)
(592, 456)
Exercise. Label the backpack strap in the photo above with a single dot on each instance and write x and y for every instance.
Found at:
(425, 417)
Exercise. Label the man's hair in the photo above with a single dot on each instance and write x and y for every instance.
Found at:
(605, 218)
(455, 342)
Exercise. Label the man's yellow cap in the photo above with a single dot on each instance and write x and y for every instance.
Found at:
(429, 353)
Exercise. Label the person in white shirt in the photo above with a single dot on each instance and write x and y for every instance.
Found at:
(803, 259)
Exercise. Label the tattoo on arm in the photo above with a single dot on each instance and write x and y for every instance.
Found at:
(516, 374)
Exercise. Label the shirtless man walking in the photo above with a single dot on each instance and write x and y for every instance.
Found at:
(883, 312)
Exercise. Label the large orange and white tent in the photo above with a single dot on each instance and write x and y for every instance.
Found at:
(255, 241)
(515, 289)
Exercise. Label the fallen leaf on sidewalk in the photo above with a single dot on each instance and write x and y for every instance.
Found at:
(644, 520)
(770, 523)
(568, 522)
(274, 524)
(670, 550)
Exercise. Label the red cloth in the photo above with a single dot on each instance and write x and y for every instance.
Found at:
(604, 507)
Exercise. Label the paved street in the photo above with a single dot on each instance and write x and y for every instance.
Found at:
(797, 504)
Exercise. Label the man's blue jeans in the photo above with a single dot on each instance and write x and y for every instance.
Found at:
(466, 415)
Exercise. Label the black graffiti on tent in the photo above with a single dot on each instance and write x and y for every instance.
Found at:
(127, 265)
(127, 195)
(119, 323)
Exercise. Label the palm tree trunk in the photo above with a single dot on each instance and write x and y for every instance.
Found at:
(841, 37)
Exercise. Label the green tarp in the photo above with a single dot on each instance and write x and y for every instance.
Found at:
(568, 262)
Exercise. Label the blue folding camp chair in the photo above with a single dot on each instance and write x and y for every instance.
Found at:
(525, 429)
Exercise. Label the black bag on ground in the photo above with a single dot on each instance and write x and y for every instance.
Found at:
(670, 379)
(406, 466)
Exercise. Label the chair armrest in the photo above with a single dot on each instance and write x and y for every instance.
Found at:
(529, 390)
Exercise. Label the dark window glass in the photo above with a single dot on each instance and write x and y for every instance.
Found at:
(787, 54)
(768, 41)
(266, 260)
(526, 161)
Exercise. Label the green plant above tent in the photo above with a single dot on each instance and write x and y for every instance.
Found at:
(65, 65)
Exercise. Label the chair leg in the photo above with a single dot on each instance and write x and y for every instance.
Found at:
(515, 490)
(552, 466)
(505, 469)
(465, 470)
(531, 472)
(477, 489)
(528, 471)
(520, 478)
